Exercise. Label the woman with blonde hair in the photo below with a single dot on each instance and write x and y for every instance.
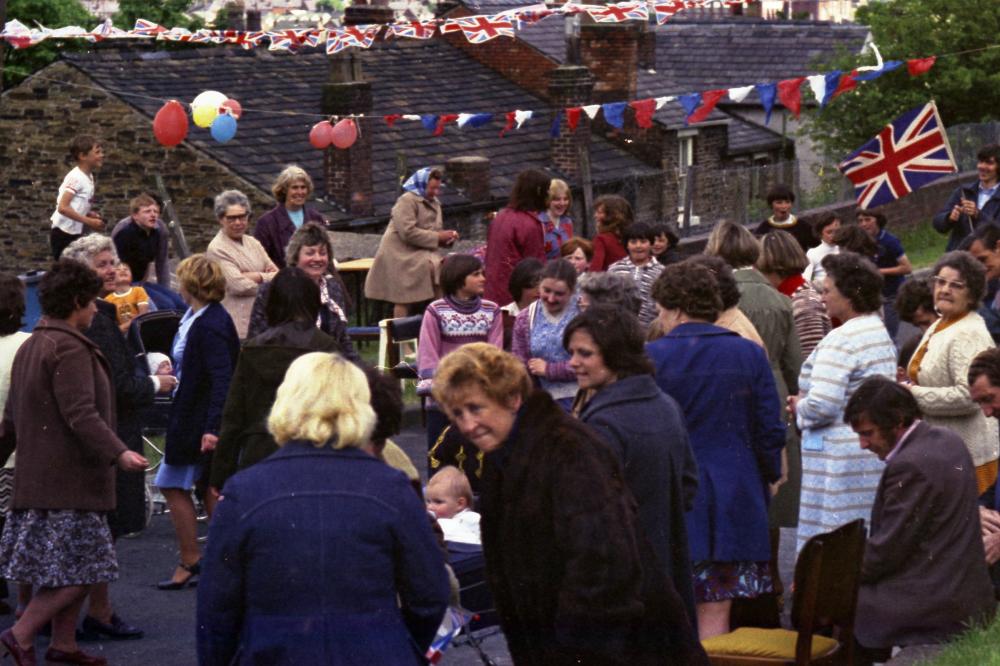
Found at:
(274, 229)
(557, 226)
(320, 553)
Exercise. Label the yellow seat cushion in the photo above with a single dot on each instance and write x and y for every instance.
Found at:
(767, 643)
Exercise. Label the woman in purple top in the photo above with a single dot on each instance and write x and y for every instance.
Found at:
(275, 227)
(461, 317)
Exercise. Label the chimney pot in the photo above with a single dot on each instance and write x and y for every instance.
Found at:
(471, 174)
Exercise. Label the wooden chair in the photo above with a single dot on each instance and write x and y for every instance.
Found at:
(827, 576)
(393, 332)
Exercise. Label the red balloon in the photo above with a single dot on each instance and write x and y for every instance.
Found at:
(170, 125)
(232, 107)
(321, 135)
(345, 133)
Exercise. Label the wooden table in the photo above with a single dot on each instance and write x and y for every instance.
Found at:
(354, 273)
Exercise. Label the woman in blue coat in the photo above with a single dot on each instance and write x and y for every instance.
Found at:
(204, 352)
(320, 553)
(725, 388)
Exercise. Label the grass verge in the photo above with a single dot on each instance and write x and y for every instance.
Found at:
(923, 245)
(978, 646)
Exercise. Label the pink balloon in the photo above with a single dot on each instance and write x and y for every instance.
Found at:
(232, 107)
(321, 135)
(345, 133)
(170, 125)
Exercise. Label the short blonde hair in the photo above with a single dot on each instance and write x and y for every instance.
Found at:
(781, 254)
(734, 244)
(202, 278)
(501, 377)
(454, 482)
(324, 399)
(558, 187)
(289, 175)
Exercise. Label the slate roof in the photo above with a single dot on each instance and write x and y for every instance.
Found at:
(407, 77)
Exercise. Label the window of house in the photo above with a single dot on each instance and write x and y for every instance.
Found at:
(685, 159)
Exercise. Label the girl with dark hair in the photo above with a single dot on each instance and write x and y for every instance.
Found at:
(645, 429)
(523, 285)
(292, 307)
(538, 332)
(516, 233)
(640, 266)
(612, 214)
(461, 317)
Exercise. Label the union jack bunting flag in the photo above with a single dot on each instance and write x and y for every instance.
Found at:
(907, 154)
(666, 10)
(147, 28)
(287, 40)
(622, 11)
(360, 36)
(175, 35)
(529, 15)
(479, 29)
(412, 29)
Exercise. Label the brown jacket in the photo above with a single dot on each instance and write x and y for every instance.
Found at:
(406, 264)
(61, 409)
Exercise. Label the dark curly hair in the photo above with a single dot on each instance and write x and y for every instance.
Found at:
(723, 273)
(852, 238)
(617, 213)
(619, 337)
(387, 401)
(986, 363)
(11, 303)
(885, 403)
(531, 191)
(691, 288)
(68, 285)
(914, 294)
(857, 279)
(455, 269)
(526, 274)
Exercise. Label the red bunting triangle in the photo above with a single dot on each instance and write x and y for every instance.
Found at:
(709, 99)
(644, 110)
(790, 94)
(573, 117)
(919, 66)
(511, 119)
(443, 120)
(391, 119)
(847, 83)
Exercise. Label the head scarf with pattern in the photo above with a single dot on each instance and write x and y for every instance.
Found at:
(417, 183)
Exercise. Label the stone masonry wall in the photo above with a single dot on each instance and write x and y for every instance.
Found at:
(39, 118)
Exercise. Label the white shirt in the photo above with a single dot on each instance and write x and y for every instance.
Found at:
(463, 527)
(82, 187)
(814, 272)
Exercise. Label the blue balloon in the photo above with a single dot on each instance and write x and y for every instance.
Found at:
(223, 127)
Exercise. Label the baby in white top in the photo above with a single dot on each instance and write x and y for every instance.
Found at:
(449, 497)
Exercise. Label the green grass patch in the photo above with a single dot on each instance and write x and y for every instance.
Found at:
(923, 245)
(978, 646)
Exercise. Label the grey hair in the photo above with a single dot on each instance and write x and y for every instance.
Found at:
(611, 289)
(230, 198)
(85, 248)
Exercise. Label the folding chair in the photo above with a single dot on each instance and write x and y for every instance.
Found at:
(395, 332)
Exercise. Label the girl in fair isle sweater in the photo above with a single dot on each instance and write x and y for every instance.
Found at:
(459, 318)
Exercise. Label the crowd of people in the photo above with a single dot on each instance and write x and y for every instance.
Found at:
(621, 427)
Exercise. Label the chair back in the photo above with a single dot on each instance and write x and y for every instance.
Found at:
(395, 331)
(827, 576)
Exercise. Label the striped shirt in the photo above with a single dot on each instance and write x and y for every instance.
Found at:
(644, 276)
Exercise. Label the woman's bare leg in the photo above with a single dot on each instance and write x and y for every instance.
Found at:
(58, 605)
(185, 520)
(713, 618)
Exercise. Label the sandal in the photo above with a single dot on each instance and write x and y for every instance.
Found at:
(192, 579)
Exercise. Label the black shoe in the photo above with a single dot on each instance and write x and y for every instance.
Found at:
(192, 579)
(116, 630)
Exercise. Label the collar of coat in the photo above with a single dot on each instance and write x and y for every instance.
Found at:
(694, 329)
(627, 389)
(46, 323)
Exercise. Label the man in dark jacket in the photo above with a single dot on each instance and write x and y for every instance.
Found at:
(984, 245)
(984, 389)
(972, 204)
(141, 240)
(924, 577)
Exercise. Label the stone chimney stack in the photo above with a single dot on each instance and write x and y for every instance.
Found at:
(253, 20)
(570, 86)
(611, 52)
(471, 175)
(234, 17)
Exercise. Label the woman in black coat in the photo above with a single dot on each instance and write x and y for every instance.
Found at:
(572, 580)
(644, 427)
(292, 307)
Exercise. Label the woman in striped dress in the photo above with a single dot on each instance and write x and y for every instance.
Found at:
(839, 478)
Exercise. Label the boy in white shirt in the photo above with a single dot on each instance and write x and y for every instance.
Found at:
(449, 497)
(76, 194)
(824, 229)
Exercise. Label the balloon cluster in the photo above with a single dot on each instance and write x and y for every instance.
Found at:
(342, 135)
(211, 110)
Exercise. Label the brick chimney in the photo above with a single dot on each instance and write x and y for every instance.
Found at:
(253, 20)
(471, 175)
(647, 46)
(570, 86)
(234, 17)
(611, 52)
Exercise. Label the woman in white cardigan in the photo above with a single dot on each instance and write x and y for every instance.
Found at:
(939, 367)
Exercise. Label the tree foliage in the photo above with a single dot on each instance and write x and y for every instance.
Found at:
(966, 86)
(18, 64)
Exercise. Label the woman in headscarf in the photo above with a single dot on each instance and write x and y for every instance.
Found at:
(405, 270)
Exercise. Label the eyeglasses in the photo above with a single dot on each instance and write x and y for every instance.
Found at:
(237, 218)
(951, 284)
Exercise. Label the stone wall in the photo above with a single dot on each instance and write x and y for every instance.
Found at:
(39, 118)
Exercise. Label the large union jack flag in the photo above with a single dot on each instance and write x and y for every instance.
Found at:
(907, 154)
(479, 29)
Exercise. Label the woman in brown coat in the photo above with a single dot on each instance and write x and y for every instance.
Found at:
(406, 263)
(61, 410)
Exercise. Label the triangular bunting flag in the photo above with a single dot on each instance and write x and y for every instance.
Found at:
(662, 101)
(443, 120)
(429, 121)
(644, 110)
(591, 110)
(690, 102)
(919, 66)
(709, 99)
(767, 93)
(391, 119)
(573, 117)
(614, 113)
(846, 84)
(740, 94)
(510, 123)
(790, 94)
(872, 74)
(554, 130)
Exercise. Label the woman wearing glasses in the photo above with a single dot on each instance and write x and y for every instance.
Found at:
(243, 259)
(939, 367)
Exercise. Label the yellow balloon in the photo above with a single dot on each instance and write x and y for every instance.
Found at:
(204, 115)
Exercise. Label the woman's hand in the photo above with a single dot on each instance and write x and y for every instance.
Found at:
(793, 402)
(130, 461)
(536, 366)
(208, 442)
(447, 237)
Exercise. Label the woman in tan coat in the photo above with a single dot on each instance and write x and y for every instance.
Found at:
(406, 265)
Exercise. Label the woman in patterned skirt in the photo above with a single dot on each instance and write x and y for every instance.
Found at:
(839, 478)
(60, 412)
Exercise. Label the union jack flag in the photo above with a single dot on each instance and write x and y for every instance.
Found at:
(479, 29)
(413, 29)
(287, 40)
(528, 15)
(907, 154)
(666, 10)
(146, 28)
(175, 35)
(621, 11)
(360, 36)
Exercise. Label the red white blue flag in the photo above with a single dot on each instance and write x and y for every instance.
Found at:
(360, 36)
(479, 29)
(907, 154)
(412, 29)
(147, 28)
(621, 11)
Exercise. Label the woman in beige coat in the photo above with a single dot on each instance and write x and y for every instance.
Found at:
(406, 264)
(940, 366)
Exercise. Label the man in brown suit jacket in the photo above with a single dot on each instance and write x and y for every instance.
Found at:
(924, 576)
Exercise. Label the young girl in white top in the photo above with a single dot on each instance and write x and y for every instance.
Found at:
(73, 213)
(824, 229)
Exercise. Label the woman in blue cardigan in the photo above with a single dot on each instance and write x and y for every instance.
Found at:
(204, 351)
(724, 386)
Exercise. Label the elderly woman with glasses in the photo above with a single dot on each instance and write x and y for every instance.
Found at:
(243, 259)
(939, 368)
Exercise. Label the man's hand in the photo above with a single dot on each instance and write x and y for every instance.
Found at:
(130, 461)
(208, 442)
(991, 544)
(969, 208)
(990, 520)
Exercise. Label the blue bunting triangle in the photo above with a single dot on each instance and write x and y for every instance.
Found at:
(832, 82)
(614, 113)
(690, 102)
(767, 92)
(479, 119)
(429, 122)
(873, 74)
(554, 130)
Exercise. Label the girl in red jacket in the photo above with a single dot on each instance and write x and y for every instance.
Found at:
(612, 214)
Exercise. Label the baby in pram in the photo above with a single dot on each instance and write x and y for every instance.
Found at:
(449, 497)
